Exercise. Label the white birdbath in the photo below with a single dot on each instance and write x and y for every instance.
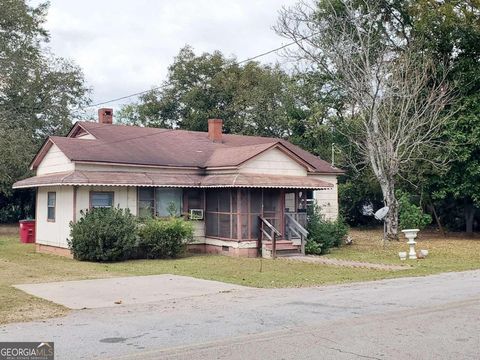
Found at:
(411, 234)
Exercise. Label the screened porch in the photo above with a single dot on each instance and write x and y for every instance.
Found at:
(235, 214)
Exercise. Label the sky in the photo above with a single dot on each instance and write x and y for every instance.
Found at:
(126, 46)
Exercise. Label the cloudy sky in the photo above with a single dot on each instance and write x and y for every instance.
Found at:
(125, 46)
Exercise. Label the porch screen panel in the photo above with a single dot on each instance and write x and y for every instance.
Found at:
(255, 199)
(221, 214)
(271, 207)
(233, 213)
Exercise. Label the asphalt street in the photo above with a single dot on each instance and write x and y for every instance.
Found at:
(434, 317)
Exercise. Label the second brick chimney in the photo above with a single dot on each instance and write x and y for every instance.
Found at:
(105, 116)
(215, 129)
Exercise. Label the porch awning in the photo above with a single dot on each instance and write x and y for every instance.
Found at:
(264, 181)
(111, 178)
(119, 178)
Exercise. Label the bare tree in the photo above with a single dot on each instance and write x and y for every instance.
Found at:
(395, 99)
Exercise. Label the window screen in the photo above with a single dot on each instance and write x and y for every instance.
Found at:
(51, 205)
(146, 202)
(101, 199)
(159, 202)
(168, 201)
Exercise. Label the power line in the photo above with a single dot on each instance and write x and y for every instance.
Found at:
(238, 63)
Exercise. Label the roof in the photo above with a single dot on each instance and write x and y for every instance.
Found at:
(133, 145)
(123, 178)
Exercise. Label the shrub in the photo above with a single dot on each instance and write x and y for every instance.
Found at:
(164, 238)
(411, 216)
(312, 248)
(324, 233)
(103, 234)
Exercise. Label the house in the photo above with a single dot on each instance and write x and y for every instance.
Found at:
(242, 192)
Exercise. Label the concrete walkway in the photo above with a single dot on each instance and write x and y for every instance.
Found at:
(346, 263)
(100, 293)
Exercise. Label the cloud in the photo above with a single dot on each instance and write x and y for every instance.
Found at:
(125, 46)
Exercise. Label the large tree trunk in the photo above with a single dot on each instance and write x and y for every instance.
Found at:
(469, 211)
(388, 190)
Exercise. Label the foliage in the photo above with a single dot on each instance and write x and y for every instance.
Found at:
(103, 234)
(164, 238)
(172, 209)
(451, 30)
(38, 92)
(394, 99)
(313, 248)
(411, 215)
(252, 99)
(355, 195)
(324, 233)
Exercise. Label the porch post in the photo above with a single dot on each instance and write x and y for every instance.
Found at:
(282, 212)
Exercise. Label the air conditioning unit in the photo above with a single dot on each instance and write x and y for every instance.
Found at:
(196, 214)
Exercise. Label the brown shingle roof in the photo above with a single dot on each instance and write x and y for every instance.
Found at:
(166, 147)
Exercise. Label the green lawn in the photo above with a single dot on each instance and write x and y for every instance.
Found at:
(20, 264)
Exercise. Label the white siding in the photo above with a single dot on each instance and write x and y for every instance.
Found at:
(198, 231)
(124, 197)
(135, 169)
(327, 199)
(54, 233)
(54, 161)
(274, 162)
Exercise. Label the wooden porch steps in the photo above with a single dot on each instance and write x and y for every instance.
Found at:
(283, 248)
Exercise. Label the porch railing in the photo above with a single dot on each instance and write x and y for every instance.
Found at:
(295, 229)
(268, 231)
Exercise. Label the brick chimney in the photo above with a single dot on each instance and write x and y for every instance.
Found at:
(215, 129)
(105, 116)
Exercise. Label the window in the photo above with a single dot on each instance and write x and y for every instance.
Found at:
(193, 199)
(146, 202)
(101, 199)
(51, 204)
(159, 202)
(168, 201)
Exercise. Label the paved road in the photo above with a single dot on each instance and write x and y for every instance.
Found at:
(435, 317)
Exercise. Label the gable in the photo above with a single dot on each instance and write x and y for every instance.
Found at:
(79, 132)
(275, 162)
(54, 161)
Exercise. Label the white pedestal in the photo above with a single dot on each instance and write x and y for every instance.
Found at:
(411, 234)
(412, 254)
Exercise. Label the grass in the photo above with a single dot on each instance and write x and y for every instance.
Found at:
(452, 253)
(20, 264)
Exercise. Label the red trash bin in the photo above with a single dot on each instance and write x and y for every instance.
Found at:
(27, 231)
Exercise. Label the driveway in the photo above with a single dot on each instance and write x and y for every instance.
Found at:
(434, 317)
(99, 293)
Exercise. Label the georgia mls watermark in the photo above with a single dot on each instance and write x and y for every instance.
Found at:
(26, 351)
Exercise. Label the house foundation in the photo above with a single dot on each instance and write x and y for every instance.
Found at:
(54, 250)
